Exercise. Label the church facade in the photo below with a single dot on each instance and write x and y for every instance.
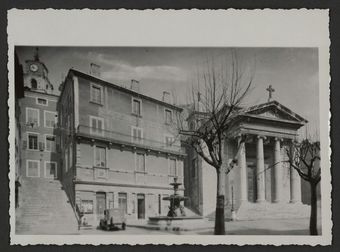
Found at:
(261, 181)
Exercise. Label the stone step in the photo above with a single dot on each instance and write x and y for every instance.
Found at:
(252, 211)
(256, 211)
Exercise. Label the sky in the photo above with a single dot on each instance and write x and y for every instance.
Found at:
(292, 72)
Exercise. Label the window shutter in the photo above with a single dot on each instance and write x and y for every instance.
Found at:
(99, 124)
(24, 144)
(41, 146)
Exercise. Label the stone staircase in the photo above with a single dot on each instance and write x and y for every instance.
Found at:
(44, 208)
(256, 211)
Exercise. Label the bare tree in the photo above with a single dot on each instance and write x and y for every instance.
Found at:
(304, 157)
(221, 87)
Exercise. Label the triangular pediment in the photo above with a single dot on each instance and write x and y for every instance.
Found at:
(275, 110)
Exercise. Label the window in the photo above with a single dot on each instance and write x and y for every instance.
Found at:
(87, 206)
(33, 168)
(50, 169)
(70, 156)
(137, 134)
(50, 143)
(66, 159)
(97, 125)
(32, 141)
(50, 119)
(168, 116)
(159, 204)
(41, 101)
(100, 157)
(136, 107)
(34, 84)
(172, 167)
(96, 94)
(179, 171)
(32, 117)
(122, 201)
(169, 140)
(140, 162)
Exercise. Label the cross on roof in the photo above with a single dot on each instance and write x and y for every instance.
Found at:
(270, 90)
(36, 54)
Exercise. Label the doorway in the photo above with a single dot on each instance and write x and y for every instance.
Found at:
(251, 176)
(50, 170)
(101, 204)
(140, 206)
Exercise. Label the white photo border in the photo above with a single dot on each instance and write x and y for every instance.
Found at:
(182, 28)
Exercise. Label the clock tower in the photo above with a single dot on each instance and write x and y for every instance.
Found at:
(36, 75)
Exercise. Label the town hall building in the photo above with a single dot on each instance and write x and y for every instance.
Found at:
(120, 148)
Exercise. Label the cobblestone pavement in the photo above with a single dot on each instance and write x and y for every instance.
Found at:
(127, 231)
(260, 227)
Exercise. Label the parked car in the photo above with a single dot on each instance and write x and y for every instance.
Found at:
(112, 219)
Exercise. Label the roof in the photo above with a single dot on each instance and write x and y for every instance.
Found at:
(269, 111)
(269, 106)
(126, 90)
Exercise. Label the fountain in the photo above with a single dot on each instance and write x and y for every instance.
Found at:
(176, 216)
(175, 208)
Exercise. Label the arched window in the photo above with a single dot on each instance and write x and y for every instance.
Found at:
(34, 83)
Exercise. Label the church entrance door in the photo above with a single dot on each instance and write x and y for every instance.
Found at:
(251, 183)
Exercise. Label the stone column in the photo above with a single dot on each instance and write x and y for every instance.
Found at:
(277, 171)
(260, 173)
(295, 183)
(242, 163)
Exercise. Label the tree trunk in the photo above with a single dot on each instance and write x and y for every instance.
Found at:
(314, 208)
(219, 214)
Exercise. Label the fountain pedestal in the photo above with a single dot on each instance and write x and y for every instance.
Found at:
(176, 218)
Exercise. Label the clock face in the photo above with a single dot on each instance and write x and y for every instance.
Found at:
(33, 67)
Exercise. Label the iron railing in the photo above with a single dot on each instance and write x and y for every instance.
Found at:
(121, 138)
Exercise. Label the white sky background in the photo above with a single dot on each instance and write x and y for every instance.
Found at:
(293, 72)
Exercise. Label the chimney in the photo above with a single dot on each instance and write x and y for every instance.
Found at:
(94, 70)
(166, 97)
(135, 85)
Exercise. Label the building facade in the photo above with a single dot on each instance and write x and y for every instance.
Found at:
(262, 175)
(119, 148)
(38, 121)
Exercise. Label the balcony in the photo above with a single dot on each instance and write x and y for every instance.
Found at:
(105, 175)
(128, 140)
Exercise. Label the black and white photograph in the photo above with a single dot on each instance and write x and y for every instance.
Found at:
(169, 141)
